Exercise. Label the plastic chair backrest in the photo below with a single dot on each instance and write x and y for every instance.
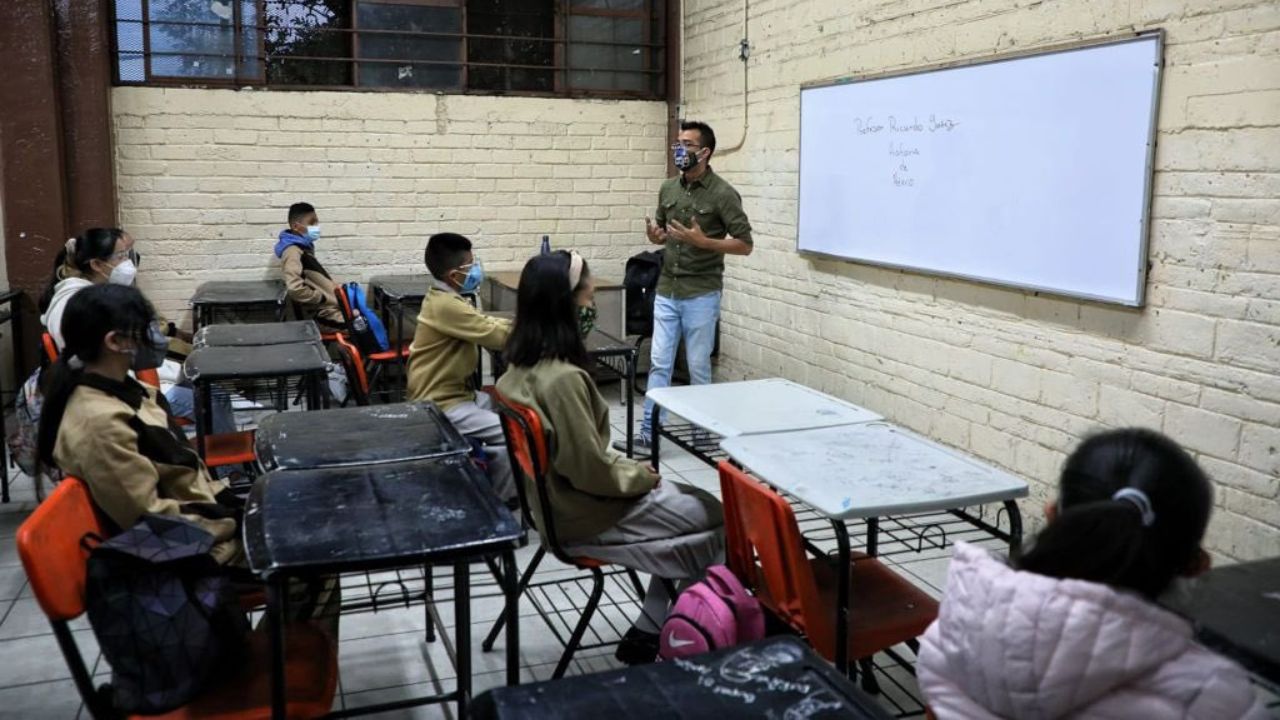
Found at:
(760, 525)
(49, 545)
(149, 376)
(50, 348)
(530, 457)
(352, 361)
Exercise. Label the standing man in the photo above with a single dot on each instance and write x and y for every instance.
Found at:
(699, 221)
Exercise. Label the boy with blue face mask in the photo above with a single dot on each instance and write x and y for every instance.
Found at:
(309, 285)
(446, 349)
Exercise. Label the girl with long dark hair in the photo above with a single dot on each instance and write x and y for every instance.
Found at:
(605, 505)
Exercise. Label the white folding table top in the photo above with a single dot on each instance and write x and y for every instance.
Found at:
(871, 470)
(758, 406)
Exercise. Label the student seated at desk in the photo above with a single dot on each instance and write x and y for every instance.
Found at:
(107, 256)
(446, 350)
(115, 434)
(308, 284)
(606, 506)
(1071, 629)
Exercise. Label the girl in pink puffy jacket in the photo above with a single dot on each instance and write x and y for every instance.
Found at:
(1072, 630)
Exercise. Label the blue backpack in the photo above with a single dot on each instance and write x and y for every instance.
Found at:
(370, 335)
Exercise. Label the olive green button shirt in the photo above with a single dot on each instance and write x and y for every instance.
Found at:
(688, 271)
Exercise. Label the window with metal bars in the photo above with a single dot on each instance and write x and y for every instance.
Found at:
(546, 47)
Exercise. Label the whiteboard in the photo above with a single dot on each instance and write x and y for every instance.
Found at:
(1033, 171)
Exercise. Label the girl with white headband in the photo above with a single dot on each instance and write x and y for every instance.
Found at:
(1071, 629)
(605, 506)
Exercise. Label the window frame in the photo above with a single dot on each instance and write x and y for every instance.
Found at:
(654, 14)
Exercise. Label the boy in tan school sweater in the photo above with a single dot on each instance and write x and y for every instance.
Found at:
(446, 349)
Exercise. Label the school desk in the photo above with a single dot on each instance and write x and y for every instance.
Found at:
(236, 298)
(744, 408)
(13, 316)
(265, 368)
(321, 522)
(876, 470)
(357, 436)
(393, 295)
(254, 334)
(1236, 611)
(774, 679)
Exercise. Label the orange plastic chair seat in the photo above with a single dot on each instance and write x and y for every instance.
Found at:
(885, 608)
(233, 448)
(245, 694)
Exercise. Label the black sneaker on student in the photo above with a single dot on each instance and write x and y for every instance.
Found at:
(637, 647)
(641, 448)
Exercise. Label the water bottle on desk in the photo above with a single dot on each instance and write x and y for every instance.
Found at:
(546, 245)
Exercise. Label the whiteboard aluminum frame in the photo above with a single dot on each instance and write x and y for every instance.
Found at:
(1149, 180)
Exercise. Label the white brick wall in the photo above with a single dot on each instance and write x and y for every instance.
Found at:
(1016, 378)
(205, 178)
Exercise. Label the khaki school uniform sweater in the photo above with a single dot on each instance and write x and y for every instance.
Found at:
(116, 437)
(590, 487)
(309, 285)
(446, 347)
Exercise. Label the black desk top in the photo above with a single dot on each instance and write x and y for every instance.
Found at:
(374, 516)
(211, 364)
(239, 292)
(357, 436)
(777, 678)
(250, 334)
(401, 287)
(1236, 611)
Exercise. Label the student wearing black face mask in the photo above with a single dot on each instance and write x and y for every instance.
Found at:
(117, 435)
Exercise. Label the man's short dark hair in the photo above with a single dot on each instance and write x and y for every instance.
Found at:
(445, 251)
(704, 130)
(297, 211)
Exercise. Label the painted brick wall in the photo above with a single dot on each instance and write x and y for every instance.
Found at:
(205, 178)
(1011, 377)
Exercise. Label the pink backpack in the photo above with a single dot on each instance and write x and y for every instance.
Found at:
(714, 613)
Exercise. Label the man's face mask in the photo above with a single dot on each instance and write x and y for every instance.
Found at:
(150, 354)
(683, 157)
(587, 315)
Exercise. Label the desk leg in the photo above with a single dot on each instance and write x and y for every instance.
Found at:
(873, 536)
(631, 403)
(512, 612)
(277, 590)
(462, 614)
(655, 440)
(1015, 527)
(843, 558)
(203, 396)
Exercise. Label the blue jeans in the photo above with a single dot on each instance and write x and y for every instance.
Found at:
(182, 403)
(693, 319)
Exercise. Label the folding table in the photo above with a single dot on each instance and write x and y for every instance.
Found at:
(1236, 611)
(254, 334)
(322, 522)
(236, 297)
(745, 408)
(773, 679)
(872, 471)
(357, 436)
(272, 364)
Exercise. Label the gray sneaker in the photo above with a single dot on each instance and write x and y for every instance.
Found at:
(641, 448)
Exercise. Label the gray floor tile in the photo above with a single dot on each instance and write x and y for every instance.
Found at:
(46, 701)
(26, 619)
(12, 582)
(387, 661)
(41, 659)
(9, 553)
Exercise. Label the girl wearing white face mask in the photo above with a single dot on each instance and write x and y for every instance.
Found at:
(103, 256)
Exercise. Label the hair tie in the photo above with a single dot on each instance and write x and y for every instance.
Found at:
(71, 246)
(74, 362)
(1139, 500)
(575, 269)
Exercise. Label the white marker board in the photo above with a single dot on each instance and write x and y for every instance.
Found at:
(1032, 171)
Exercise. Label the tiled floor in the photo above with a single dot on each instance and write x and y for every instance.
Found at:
(382, 656)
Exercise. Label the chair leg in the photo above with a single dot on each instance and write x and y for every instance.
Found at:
(914, 644)
(492, 637)
(641, 590)
(597, 589)
(429, 590)
(869, 682)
